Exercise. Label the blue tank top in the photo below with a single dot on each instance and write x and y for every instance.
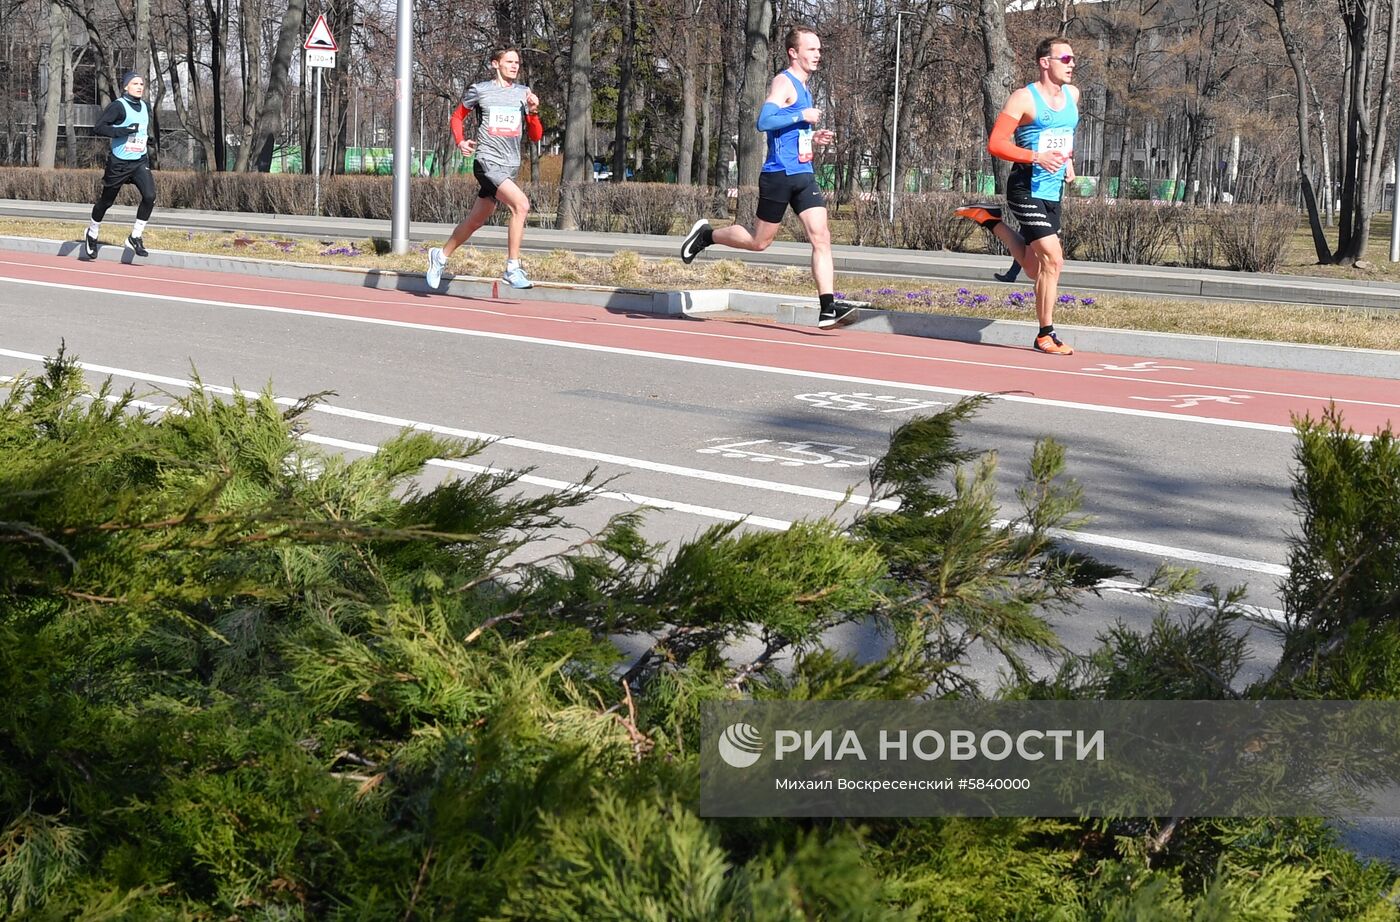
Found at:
(1050, 130)
(132, 146)
(790, 147)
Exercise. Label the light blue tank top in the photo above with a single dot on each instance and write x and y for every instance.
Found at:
(790, 147)
(1051, 130)
(133, 146)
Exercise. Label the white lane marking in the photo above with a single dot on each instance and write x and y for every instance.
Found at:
(789, 454)
(1194, 400)
(657, 329)
(853, 403)
(1178, 553)
(1136, 366)
(712, 363)
(1123, 544)
(1192, 600)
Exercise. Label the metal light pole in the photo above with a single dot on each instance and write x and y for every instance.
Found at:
(894, 132)
(1395, 213)
(403, 124)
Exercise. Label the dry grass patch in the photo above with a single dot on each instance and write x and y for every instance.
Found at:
(1281, 323)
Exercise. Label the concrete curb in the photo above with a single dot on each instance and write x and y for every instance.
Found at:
(1373, 363)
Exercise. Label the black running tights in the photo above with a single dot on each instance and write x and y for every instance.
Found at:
(145, 184)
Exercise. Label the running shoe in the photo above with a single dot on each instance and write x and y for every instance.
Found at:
(694, 241)
(137, 246)
(985, 215)
(516, 278)
(1051, 344)
(436, 263)
(840, 314)
(90, 245)
(1010, 275)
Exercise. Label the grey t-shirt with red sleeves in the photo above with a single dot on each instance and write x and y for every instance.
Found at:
(500, 122)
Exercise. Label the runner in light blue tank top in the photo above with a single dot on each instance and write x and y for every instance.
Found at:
(790, 146)
(1038, 139)
(1052, 129)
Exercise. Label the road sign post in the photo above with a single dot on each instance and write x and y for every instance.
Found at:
(320, 49)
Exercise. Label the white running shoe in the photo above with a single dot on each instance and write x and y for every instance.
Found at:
(516, 278)
(436, 263)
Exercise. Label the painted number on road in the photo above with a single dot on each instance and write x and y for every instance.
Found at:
(1194, 400)
(788, 454)
(1136, 366)
(877, 403)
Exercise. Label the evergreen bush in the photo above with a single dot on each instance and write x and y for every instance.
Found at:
(245, 679)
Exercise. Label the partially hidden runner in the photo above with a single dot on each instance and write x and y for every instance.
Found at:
(504, 110)
(1035, 131)
(788, 179)
(126, 122)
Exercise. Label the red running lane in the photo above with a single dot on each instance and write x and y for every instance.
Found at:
(1094, 381)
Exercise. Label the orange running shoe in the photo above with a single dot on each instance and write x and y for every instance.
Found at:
(1051, 343)
(986, 215)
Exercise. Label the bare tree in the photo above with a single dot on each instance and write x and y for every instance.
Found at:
(999, 74)
(580, 109)
(53, 85)
(267, 124)
(758, 74)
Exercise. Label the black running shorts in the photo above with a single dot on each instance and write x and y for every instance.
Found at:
(1036, 217)
(776, 191)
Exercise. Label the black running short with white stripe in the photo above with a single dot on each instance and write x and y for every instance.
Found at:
(1035, 217)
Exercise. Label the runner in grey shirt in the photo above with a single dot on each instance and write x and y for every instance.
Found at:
(504, 111)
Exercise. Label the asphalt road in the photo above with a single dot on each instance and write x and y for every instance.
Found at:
(712, 420)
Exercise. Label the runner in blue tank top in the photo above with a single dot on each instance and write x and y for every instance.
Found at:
(1042, 117)
(126, 124)
(790, 121)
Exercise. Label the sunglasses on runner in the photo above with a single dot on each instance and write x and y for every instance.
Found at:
(1062, 58)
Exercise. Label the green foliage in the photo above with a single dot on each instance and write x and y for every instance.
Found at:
(246, 679)
(1343, 589)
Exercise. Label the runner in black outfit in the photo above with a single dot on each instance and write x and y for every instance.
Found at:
(127, 122)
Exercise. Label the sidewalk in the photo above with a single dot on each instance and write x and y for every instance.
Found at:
(1212, 284)
(1372, 363)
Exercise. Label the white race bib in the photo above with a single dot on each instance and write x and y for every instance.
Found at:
(1057, 139)
(503, 121)
(804, 145)
(135, 144)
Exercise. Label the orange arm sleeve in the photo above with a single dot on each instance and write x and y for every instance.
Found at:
(459, 120)
(534, 128)
(1002, 146)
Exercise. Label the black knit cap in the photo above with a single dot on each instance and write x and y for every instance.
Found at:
(127, 78)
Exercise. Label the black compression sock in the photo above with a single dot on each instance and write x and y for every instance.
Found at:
(707, 236)
(1047, 331)
(828, 302)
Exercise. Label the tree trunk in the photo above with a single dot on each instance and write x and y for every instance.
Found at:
(576, 160)
(53, 85)
(757, 76)
(998, 74)
(685, 149)
(70, 131)
(706, 127)
(624, 90)
(143, 38)
(274, 101)
(1298, 60)
(729, 92)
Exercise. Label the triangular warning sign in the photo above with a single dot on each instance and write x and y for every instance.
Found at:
(320, 38)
